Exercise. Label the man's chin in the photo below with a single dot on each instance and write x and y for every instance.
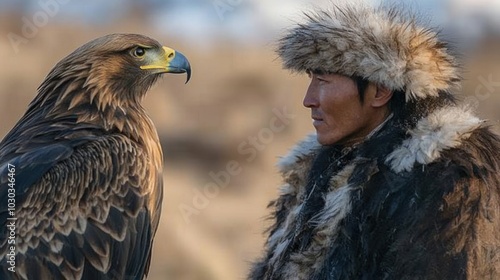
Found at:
(325, 140)
(329, 139)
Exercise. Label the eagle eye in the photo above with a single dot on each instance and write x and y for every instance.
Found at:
(139, 52)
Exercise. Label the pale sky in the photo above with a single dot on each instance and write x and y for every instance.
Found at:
(255, 20)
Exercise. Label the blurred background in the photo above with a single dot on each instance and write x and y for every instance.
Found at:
(223, 132)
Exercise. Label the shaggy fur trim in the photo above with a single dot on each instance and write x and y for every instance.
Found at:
(385, 46)
(295, 166)
(337, 207)
(441, 130)
(297, 154)
(277, 240)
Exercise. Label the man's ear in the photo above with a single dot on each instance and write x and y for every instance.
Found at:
(382, 96)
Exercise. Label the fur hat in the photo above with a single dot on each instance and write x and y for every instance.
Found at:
(384, 46)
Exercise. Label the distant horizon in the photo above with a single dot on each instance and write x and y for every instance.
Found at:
(246, 21)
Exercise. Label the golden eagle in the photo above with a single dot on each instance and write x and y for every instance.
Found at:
(80, 173)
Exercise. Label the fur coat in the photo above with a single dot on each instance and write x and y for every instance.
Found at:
(419, 199)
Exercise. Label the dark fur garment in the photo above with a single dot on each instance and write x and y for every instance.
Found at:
(393, 210)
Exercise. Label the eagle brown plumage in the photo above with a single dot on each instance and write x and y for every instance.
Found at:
(88, 164)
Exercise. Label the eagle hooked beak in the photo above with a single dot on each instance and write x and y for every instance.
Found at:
(177, 63)
(173, 62)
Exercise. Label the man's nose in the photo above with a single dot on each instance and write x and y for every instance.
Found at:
(311, 98)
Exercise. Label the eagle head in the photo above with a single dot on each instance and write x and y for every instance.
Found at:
(105, 79)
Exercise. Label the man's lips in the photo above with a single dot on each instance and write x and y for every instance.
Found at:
(317, 120)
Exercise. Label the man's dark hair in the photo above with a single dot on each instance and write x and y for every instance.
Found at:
(362, 84)
(397, 102)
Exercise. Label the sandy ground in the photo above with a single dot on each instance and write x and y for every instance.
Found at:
(233, 96)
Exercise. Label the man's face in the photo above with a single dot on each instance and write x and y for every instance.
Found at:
(336, 109)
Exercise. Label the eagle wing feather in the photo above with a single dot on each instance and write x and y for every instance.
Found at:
(95, 220)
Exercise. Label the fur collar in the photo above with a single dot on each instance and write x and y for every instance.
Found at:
(442, 129)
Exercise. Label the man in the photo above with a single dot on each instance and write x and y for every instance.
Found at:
(399, 181)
